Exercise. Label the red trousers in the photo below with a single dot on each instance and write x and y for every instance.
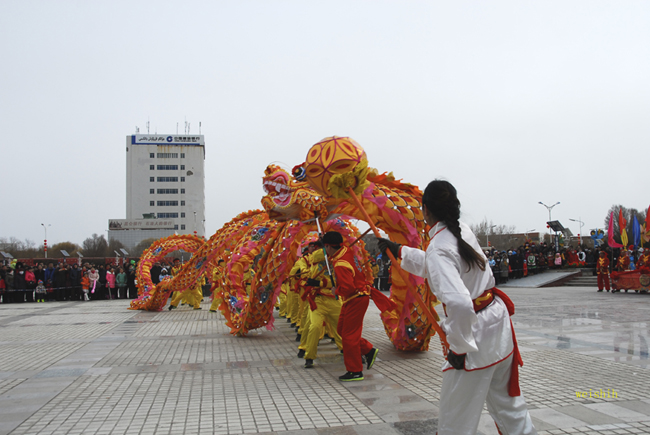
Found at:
(603, 279)
(349, 328)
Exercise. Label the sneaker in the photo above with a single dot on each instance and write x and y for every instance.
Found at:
(309, 364)
(213, 311)
(199, 308)
(370, 358)
(301, 353)
(351, 376)
(298, 337)
(171, 307)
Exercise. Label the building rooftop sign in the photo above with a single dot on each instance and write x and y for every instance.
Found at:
(140, 224)
(167, 139)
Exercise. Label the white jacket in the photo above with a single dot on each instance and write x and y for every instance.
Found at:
(486, 337)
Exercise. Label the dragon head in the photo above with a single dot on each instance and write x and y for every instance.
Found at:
(288, 199)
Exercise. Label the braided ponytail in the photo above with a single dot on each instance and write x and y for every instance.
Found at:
(441, 200)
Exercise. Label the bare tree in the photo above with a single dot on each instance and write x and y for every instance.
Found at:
(485, 228)
(69, 247)
(142, 246)
(20, 249)
(95, 246)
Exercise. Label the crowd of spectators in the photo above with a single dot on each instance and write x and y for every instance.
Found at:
(527, 260)
(63, 282)
(531, 259)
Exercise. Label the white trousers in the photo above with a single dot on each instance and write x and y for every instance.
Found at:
(463, 394)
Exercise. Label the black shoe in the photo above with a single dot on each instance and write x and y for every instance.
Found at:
(277, 308)
(297, 328)
(171, 307)
(288, 319)
(309, 363)
(351, 376)
(198, 308)
(301, 353)
(370, 358)
(293, 325)
(600, 290)
(213, 311)
(298, 337)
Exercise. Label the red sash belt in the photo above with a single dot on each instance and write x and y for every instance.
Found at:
(482, 302)
(513, 385)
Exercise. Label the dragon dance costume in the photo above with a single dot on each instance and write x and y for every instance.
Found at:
(477, 325)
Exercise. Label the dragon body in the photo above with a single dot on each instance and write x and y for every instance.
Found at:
(259, 247)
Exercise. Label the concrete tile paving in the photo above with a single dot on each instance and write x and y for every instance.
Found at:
(96, 367)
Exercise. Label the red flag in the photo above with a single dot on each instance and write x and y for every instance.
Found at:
(610, 233)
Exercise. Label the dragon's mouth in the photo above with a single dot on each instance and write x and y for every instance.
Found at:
(278, 190)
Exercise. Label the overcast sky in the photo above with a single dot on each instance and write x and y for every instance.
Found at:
(514, 102)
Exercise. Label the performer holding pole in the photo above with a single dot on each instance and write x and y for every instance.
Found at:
(483, 359)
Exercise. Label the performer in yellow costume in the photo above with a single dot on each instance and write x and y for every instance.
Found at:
(299, 273)
(193, 296)
(323, 307)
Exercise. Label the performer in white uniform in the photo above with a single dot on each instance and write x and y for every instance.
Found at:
(479, 366)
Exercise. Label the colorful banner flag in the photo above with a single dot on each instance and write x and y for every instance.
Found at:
(622, 224)
(610, 233)
(636, 232)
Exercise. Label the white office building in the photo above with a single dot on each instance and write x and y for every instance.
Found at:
(165, 188)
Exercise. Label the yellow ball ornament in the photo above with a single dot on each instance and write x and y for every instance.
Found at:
(331, 156)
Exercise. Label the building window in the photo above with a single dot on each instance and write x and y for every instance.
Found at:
(182, 166)
(167, 155)
(166, 203)
(167, 179)
(182, 190)
(182, 155)
(167, 215)
(182, 226)
(151, 203)
(175, 227)
(167, 191)
(182, 214)
(182, 179)
(151, 167)
(151, 178)
(151, 191)
(166, 167)
(151, 155)
(182, 203)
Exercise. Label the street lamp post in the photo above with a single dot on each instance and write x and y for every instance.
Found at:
(549, 208)
(580, 232)
(45, 242)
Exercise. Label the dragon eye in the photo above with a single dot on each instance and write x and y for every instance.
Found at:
(299, 173)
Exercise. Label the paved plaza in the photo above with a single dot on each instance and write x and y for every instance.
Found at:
(98, 368)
